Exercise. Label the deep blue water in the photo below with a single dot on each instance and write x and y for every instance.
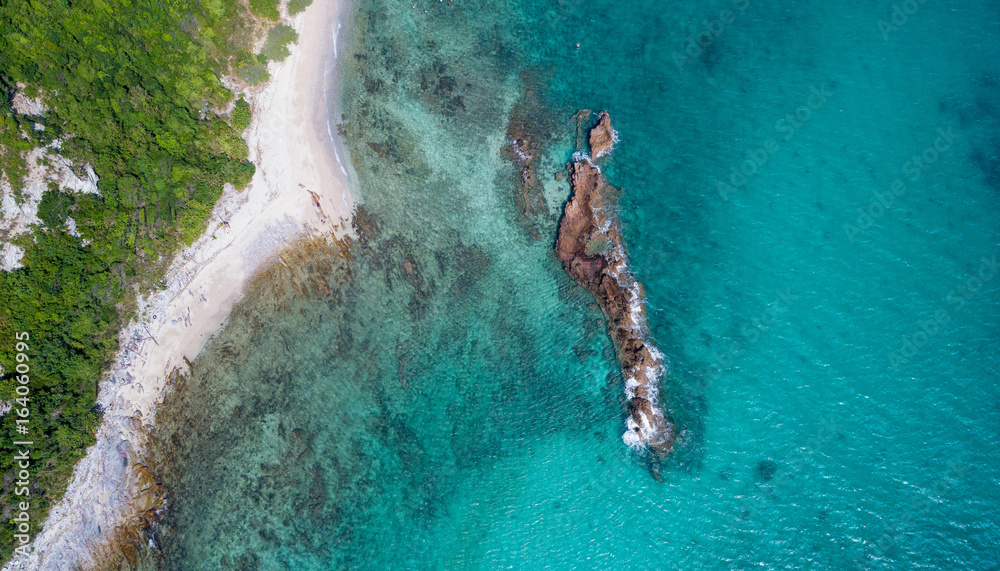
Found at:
(453, 400)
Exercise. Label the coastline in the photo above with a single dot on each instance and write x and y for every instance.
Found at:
(300, 190)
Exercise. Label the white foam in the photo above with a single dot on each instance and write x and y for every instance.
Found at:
(521, 155)
(635, 307)
(335, 32)
(633, 441)
(647, 431)
(630, 385)
(638, 435)
(614, 141)
(583, 156)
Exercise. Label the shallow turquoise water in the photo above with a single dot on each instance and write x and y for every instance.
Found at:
(453, 401)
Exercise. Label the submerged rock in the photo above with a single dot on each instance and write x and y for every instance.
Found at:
(766, 469)
(592, 252)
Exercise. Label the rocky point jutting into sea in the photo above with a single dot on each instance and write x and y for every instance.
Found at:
(592, 251)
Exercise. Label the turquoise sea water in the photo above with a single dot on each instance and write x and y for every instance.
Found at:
(452, 400)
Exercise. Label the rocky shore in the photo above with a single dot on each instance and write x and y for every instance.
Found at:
(299, 192)
(593, 253)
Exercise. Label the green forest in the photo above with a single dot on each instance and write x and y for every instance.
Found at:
(133, 89)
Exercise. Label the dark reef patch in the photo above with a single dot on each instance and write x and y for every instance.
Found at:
(765, 470)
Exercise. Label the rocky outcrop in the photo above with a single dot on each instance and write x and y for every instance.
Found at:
(602, 136)
(592, 252)
(531, 126)
(134, 537)
(525, 157)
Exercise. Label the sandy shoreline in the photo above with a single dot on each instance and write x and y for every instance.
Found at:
(300, 190)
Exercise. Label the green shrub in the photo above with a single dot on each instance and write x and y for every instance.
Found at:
(265, 9)
(276, 46)
(240, 117)
(136, 100)
(296, 6)
(251, 68)
(54, 208)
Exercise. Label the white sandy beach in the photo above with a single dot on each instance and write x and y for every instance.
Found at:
(300, 190)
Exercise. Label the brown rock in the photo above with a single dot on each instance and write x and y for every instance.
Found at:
(588, 238)
(522, 151)
(602, 136)
(587, 268)
(577, 224)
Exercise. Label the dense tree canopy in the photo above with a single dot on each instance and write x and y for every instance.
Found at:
(132, 88)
